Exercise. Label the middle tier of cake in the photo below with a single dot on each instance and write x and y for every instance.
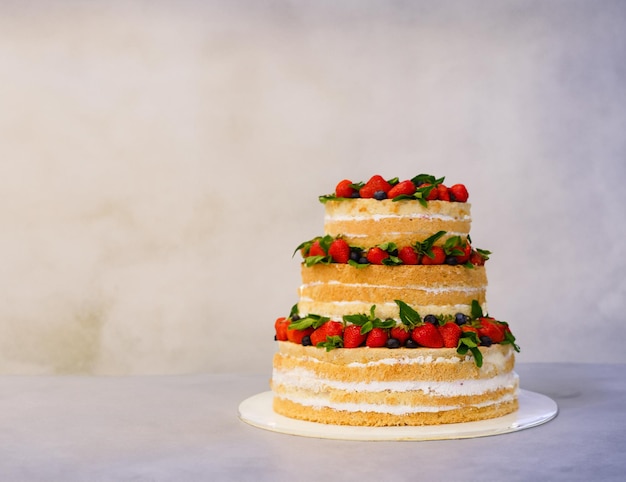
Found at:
(334, 290)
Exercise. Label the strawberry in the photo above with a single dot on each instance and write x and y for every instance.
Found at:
(467, 251)
(280, 325)
(376, 338)
(408, 255)
(450, 332)
(339, 251)
(400, 333)
(433, 194)
(476, 258)
(405, 187)
(427, 335)
(442, 193)
(296, 336)
(376, 183)
(345, 189)
(352, 336)
(466, 328)
(439, 256)
(376, 255)
(458, 193)
(316, 249)
(492, 329)
(330, 328)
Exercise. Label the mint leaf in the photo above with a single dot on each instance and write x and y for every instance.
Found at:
(311, 260)
(469, 342)
(408, 315)
(310, 320)
(331, 343)
(477, 311)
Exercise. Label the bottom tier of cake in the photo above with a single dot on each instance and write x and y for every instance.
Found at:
(384, 387)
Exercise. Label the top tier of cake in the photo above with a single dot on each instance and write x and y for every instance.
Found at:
(369, 222)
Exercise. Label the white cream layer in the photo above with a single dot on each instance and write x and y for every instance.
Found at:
(336, 309)
(439, 290)
(322, 402)
(301, 378)
(378, 217)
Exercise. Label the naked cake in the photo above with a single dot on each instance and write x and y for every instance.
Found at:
(391, 325)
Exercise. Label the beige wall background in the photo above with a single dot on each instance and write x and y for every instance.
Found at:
(160, 161)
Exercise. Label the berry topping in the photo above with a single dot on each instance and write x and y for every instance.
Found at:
(411, 344)
(400, 333)
(486, 340)
(325, 331)
(461, 319)
(306, 340)
(450, 332)
(404, 188)
(436, 256)
(376, 183)
(393, 343)
(345, 189)
(376, 338)
(427, 335)
(442, 193)
(296, 336)
(280, 325)
(492, 329)
(380, 195)
(408, 255)
(352, 336)
(376, 255)
(316, 249)
(458, 193)
(339, 251)
(431, 319)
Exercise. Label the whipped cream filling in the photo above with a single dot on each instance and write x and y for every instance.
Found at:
(336, 309)
(322, 402)
(447, 289)
(302, 378)
(378, 217)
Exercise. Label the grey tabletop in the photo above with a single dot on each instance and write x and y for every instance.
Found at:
(187, 428)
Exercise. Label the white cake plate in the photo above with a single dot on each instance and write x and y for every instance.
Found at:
(534, 409)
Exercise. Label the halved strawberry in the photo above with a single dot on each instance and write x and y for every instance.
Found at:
(450, 332)
(339, 250)
(376, 338)
(345, 189)
(376, 183)
(408, 255)
(405, 187)
(492, 329)
(280, 325)
(352, 336)
(458, 193)
(439, 256)
(296, 336)
(476, 258)
(427, 335)
(376, 255)
(330, 328)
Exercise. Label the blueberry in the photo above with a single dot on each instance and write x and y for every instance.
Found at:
(393, 252)
(355, 255)
(461, 319)
(410, 343)
(485, 340)
(275, 338)
(393, 343)
(306, 340)
(452, 260)
(380, 195)
(363, 260)
(295, 317)
(356, 194)
(431, 319)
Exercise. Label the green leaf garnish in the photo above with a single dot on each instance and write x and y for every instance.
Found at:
(408, 315)
(469, 342)
(309, 321)
(477, 311)
(331, 343)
